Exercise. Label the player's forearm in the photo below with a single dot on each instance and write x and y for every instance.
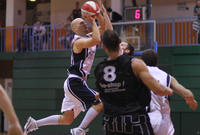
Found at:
(158, 88)
(95, 33)
(180, 90)
(7, 107)
(101, 23)
(108, 24)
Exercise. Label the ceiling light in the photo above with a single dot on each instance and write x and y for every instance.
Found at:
(32, 0)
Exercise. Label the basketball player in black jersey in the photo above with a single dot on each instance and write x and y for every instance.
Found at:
(120, 80)
(78, 96)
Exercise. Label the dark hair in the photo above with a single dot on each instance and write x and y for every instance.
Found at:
(130, 48)
(111, 40)
(150, 57)
(109, 9)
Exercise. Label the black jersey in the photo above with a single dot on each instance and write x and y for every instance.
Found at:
(81, 63)
(120, 90)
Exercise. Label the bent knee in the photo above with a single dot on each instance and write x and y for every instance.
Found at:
(67, 122)
(67, 118)
(98, 107)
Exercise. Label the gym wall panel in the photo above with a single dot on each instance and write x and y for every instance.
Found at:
(184, 64)
(38, 80)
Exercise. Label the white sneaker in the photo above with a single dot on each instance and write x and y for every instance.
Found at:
(30, 126)
(78, 131)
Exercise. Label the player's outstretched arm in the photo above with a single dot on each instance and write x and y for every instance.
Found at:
(101, 22)
(185, 93)
(108, 24)
(6, 106)
(140, 70)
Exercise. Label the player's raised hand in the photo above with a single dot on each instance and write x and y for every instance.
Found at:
(192, 103)
(101, 6)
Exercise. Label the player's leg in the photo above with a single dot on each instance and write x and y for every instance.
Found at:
(65, 119)
(92, 100)
(69, 110)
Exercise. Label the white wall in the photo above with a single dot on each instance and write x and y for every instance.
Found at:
(116, 6)
(165, 11)
(15, 12)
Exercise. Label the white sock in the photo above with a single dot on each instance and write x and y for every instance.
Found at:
(51, 120)
(90, 115)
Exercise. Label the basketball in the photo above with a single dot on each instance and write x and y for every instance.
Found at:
(90, 7)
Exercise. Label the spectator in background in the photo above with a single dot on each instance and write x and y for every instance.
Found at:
(134, 2)
(76, 13)
(23, 43)
(114, 16)
(67, 38)
(38, 35)
(196, 23)
(6, 106)
(2, 37)
(129, 50)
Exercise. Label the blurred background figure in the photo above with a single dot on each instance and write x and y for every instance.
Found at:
(134, 2)
(76, 13)
(123, 45)
(23, 43)
(196, 23)
(68, 36)
(129, 50)
(114, 16)
(2, 37)
(38, 35)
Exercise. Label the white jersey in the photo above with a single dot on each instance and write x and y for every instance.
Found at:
(159, 105)
(159, 102)
(81, 63)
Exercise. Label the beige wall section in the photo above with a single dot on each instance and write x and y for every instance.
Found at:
(116, 6)
(167, 8)
(15, 12)
(61, 9)
(171, 10)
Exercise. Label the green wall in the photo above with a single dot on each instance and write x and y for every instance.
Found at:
(184, 64)
(38, 87)
(38, 80)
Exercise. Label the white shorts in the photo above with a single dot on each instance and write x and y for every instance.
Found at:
(166, 126)
(161, 123)
(155, 119)
(78, 96)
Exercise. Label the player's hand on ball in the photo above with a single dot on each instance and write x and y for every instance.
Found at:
(87, 17)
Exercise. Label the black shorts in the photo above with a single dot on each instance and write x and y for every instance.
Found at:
(79, 89)
(127, 125)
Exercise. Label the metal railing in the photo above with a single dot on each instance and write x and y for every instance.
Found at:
(29, 39)
(176, 31)
(169, 32)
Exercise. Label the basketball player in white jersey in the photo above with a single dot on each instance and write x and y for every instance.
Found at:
(159, 107)
(78, 96)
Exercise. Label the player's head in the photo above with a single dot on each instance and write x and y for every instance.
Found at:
(129, 50)
(150, 57)
(123, 45)
(79, 26)
(111, 41)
